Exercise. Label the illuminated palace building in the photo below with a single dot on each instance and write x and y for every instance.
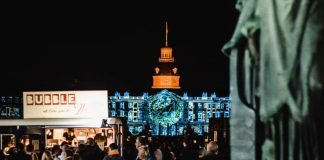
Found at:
(166, 112)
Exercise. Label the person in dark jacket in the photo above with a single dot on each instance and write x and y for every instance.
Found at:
(113, 153)
(19, 153)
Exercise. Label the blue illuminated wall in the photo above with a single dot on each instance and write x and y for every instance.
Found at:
(10, 107)
(195, 110)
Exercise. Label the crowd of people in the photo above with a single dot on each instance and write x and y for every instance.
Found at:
(171, 148)
(136, 148)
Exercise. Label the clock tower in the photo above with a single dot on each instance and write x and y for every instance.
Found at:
(166, 74)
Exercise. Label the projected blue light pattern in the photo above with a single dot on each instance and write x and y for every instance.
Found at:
(10, 107)
(165, 108)
(168, 113)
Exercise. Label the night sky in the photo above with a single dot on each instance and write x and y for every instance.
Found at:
(117, 50)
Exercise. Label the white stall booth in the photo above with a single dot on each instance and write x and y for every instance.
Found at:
(71, 116)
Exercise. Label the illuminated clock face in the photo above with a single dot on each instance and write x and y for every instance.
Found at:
(165, 108)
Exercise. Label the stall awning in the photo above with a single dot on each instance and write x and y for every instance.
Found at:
(62, 122)
(85, 122)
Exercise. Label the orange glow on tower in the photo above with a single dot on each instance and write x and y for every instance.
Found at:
(166, 74)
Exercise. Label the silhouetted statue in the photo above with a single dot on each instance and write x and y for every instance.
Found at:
(277, 79)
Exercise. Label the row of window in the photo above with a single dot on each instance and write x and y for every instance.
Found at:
(173, 130)
(191, 105)
(135, 116)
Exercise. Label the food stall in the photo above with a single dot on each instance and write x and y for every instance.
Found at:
(71, 116)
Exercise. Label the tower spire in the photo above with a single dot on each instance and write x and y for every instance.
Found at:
(166, 33)
(166, 73)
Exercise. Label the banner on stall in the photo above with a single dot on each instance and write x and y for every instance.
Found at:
(65, 104)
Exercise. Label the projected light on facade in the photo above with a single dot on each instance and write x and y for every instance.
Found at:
(165, 108)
